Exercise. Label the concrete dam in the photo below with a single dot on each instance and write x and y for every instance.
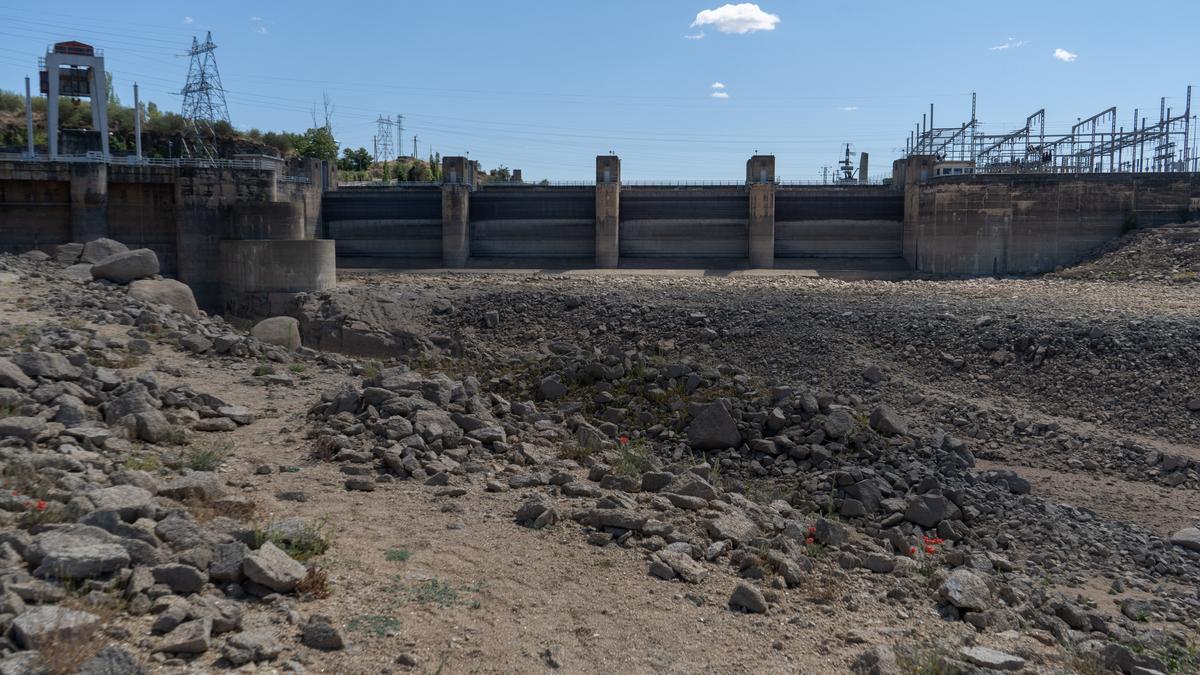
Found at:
(248, 234)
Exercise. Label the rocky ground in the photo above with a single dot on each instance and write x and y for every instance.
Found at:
(508, 473)
(1165, 254)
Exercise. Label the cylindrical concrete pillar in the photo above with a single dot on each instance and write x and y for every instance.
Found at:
(89, 201)
(456, 224)
(760, 226)
(608, 211)
(265, 220)
(760, 221)
(258, 277)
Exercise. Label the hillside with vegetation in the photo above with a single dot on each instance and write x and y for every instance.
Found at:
(167, 134)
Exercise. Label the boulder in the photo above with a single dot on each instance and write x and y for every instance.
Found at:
(48, 622)
(320, 633)
(191, 637)
(13, 377)
(966, 590)
(251, 647)
(713, 428)
(112, 660)
(747, 598)
(82, 559)
(888, 422)
(128, 266)
(1188, 537)
(269, 566)
(170, 292)
(49, 365)
(68, 254)
(98, 249)
(24, 428)
(283, 331)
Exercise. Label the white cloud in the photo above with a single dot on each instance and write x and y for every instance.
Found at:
(256, 18)
(187, 19)
(720, 94)
(1010, 43)
(261, 30)
(850, 108)
(738, 19)
(718, 85)
(695, 36)
(1064, 55)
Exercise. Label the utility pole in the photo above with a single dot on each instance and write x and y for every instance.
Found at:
(137, 122)
(28, 118)
(414, 146)
(399, 133)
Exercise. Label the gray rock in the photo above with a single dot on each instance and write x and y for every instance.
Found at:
(282, 331)
(880, 563)
(551, 389)
(1188, 537)
(49, 622)
(49, 365)
(129, 501)
(320, 633)
(227, 561)
(682, 565)
(929, 510)
(839, 423)
(13, 377)
(23, 428)
(128, 266)
(181, 579)
(68, 254)
(734, 526)
(112, 660)
(747, 598)
(238, 413)
(191, 637)
(251, 647)
(966, 590)
(82, 559)
(169, 292)
(537, 512)
(198, 485)
(887, 421)
(98, 249)
(654, 481)
(81, 272)
(195, 343)
(269, 566)
(985, 657)
(878, 660)
(713, 428)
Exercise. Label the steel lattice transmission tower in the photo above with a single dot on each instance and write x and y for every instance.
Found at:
(383, 139)
(203, 95)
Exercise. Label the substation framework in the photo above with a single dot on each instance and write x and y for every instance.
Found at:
(1094, 145)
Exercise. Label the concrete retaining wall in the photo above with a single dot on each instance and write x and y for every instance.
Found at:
(1027, 224)
(378, 228)
(258, 276)
(533, 222)
(694, 222)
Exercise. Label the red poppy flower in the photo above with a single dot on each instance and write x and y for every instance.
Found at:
(41, 505)
(809, 540)
(912, 550)
(623, 439)
(930, 550)
(812, 530)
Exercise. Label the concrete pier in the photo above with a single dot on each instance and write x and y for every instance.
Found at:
(608, 211)
(760, 223)
(89, 201)
(456, 211)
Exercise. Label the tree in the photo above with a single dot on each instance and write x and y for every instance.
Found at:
(318, 143)
(355, 160)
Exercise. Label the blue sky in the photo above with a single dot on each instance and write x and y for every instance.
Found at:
(546, 85)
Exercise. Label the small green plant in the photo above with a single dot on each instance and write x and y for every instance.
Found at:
(634, 459)
(378, 625)
(7, 411)
(128, 361)
(262, 370)
(297, 367)
(149, 463)
(574, 451)
(436, 592)
(75, 323)
(371, 368)
(310, 541)
(396, 555)
(208, 457)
